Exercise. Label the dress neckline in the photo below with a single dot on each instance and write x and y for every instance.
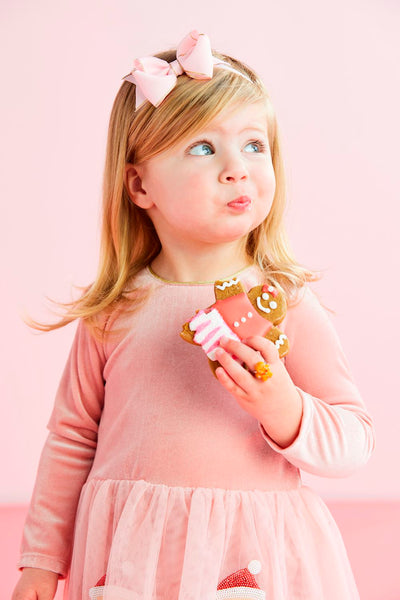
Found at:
(154, 275)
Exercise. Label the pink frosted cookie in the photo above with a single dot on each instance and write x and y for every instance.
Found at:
(208, 328)
(238, 315)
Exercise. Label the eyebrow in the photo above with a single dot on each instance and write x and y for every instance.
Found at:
(251, 127)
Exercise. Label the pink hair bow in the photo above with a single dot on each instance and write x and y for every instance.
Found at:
(155, 78)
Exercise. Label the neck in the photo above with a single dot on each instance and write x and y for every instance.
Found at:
(211, 264)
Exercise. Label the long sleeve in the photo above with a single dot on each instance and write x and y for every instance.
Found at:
(66, 457)
(336, 434)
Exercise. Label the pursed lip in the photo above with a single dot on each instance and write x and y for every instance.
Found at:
(242, 201)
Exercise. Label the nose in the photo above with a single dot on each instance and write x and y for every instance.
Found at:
(233, 169)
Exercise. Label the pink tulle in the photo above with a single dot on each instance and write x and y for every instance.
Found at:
(158, 542)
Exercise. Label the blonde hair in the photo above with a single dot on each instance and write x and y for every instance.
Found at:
(129, 241)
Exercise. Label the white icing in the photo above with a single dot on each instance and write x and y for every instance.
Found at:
(198, 319)
(261, 307)
(236, 324)
(271, 288)
(264, 296)
(226, 284)
(249, 314)
(243, 319)
(281, 340)
(213, 320)
(192, 325)
(273, 304)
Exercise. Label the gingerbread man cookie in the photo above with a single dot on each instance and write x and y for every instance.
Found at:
(238, 315)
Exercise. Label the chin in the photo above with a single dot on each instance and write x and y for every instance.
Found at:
(233, 236)
(245, 231)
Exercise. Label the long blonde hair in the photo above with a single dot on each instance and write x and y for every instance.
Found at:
(129, 241)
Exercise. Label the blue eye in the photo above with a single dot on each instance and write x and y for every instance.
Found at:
(258, 143)
(200, 145)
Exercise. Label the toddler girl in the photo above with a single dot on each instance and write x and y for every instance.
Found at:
(161, 480)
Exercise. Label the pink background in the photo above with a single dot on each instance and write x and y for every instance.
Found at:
(332, 70)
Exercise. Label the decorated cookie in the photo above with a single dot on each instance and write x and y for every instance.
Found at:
(238, 315)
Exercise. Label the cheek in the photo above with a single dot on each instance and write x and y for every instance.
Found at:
(186, 188)
(267, 189)
(194, 183)
(191, 195)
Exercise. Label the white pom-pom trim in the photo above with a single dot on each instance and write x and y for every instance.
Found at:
(96, 592)
(254, 567)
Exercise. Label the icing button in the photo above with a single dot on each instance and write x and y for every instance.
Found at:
(236, 324)
(265, 296)
(243, 319)
(273, 304)
(249, 314)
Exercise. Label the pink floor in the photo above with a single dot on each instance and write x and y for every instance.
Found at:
(371, 531)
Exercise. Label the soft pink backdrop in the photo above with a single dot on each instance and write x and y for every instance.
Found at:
(332, 72)
(332, 69)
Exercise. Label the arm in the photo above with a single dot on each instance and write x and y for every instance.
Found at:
(336, 434)
(66, 458)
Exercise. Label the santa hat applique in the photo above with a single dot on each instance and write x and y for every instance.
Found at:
(98, 590)
(241, 584)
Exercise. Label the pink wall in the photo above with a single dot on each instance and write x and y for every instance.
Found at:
(332, 71)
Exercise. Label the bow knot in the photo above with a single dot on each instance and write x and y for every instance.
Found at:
(155, 78)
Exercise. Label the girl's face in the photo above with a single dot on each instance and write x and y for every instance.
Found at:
(214, 188)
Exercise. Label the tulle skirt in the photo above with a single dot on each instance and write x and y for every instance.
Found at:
(156, 542)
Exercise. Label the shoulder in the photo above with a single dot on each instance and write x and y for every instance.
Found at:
(309, 327)
(304, 298)
(305, 309)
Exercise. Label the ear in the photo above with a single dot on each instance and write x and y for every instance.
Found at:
(134, 186)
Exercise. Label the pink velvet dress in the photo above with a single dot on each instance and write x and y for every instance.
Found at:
(153, 474)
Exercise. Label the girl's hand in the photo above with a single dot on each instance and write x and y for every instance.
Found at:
(36, 584)
(276, 403)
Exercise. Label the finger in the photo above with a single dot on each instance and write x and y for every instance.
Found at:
(242, 351)
(229, 384)
(237, 373)
(268, 350)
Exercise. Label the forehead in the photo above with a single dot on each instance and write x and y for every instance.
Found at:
(240, 117)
